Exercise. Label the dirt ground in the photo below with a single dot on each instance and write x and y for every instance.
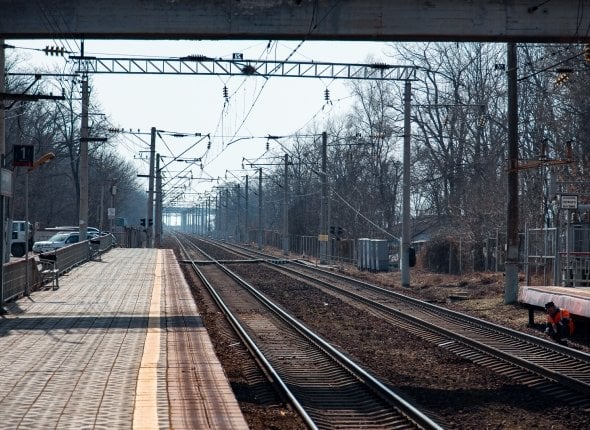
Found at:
(478, 294)
(462, 394)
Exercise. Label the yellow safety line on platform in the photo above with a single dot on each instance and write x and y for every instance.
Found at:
(145, 413)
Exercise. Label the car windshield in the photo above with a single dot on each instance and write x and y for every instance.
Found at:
(59, 237)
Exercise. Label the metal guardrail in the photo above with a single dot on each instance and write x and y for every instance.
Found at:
(15, 276)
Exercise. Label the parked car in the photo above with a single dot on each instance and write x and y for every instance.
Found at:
(56, 241)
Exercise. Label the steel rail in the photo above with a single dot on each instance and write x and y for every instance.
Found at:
(392, 398)
(451, 313)
(249, 342)
(492, 350)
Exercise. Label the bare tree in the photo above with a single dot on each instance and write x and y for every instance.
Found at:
(458, 146)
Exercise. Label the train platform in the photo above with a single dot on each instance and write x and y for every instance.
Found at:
(120, 345)
(575, 300)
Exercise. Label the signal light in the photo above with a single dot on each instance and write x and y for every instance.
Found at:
(142, 222)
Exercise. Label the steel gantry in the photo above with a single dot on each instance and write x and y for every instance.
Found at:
(201, 65)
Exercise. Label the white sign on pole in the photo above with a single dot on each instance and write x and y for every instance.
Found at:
(111, 213)
(569, 201)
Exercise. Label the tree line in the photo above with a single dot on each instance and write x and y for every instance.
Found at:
(458, 146)
(458, 149)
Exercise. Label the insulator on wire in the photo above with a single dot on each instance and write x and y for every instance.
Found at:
(54, 50)
(225, 93)
(327, 95)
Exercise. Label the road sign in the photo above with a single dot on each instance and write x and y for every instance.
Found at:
(323, 237)
(111, 213)
(569, 201)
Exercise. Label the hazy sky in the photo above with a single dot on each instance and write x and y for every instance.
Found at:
(255, 107)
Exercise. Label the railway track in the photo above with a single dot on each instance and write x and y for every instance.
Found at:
(558, 371)
(327, 388)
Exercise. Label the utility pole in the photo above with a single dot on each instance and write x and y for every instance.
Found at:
(101, 210)
(113, 194)
(150, 201)
(203, 216)
(286, 208)
(238, 224)
(324, 203)
(197, 225)
(511, 266)
(226, 230)
(83, 166)
(208, 216)
(2, 200)
(217, 219)
(405, 245)
(259, 208)
(158, 217)
(247, 238)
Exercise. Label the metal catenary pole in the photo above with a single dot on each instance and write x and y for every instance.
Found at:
(83, 169)
(405, 245)
(286, 208)
(511, 268)
(260, 208)
(150, 200)
(324, 203)
(2, 200)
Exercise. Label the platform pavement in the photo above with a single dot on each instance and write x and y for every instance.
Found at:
(93, 354)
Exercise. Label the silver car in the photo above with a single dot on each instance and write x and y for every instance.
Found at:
(56, 241)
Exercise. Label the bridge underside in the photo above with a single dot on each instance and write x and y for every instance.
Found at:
(376, 20)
